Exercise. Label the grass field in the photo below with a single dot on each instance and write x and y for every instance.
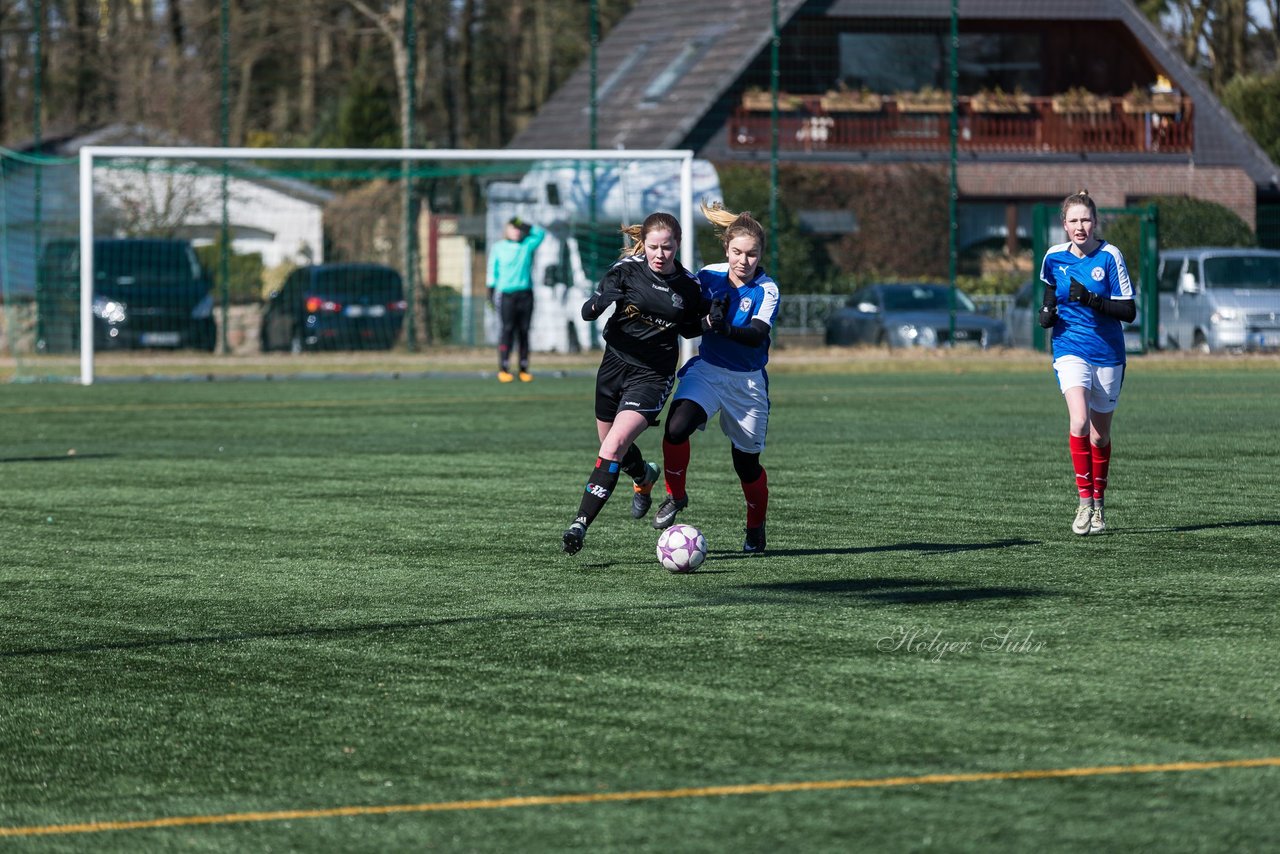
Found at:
(334, 616)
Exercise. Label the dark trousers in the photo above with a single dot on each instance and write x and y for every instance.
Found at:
(516, 310)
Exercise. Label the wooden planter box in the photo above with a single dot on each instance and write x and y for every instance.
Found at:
(1007, 104)
(839, 102)
(1158, 103)
(924, 106)
(762, 102)
(1099, 105)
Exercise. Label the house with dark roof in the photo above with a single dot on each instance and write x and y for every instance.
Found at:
(1053, 97)
(281, 219)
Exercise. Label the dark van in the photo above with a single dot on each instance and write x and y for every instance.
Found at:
(335, 307)
(147, 293)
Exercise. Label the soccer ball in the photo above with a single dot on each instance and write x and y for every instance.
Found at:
(682, 548)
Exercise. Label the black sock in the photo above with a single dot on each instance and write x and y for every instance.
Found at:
(599, 487)
(633, 463)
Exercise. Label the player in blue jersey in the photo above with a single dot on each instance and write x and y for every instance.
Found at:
(656, 301)
(1087, 294)
(728, 374)
(511, 292)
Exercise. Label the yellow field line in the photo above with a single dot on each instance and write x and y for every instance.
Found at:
(659, 794)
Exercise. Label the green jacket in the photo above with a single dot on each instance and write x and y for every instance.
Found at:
(511, 262)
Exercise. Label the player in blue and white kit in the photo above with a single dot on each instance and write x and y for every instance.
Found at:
(1087, 294)
(728, 374)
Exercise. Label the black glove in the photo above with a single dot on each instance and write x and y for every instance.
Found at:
(1079, 293)
(610, 292)
(1048, 316)
(718, 316)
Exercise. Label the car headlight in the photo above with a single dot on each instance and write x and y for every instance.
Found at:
(917, 336)
(109, 310)
(203, 309)
(1224, 315)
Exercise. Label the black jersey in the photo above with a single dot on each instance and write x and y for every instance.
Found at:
(653, 311)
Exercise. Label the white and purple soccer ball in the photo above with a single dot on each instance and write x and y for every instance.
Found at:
(682, 548)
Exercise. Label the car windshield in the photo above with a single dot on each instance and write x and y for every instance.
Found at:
(146, 260)
(359, 282)
(1243, 271)
(924, 298)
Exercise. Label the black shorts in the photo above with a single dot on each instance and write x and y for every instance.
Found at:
(623, 386)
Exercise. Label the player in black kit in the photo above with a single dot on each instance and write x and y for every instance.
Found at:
(657, 301)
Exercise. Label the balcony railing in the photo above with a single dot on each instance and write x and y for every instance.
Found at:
(1033, 125)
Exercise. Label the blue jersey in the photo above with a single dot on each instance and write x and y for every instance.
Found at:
(1081, 331)
(758, 299)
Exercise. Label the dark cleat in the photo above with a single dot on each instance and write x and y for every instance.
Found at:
(642, 500)
(754, 543)
(573, 538)
(667, 511)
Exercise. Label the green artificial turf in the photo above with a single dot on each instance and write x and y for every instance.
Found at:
(245, 597)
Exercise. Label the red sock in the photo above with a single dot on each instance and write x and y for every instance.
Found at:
(675, 462)
(1082, 461)
(757, 495)
(1101, 462)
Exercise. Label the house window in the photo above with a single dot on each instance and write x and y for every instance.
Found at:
(1009, 61)
(892, 62)
(908, 62)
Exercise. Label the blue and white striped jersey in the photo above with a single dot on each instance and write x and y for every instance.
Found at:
(1081, 331)
(758, 298)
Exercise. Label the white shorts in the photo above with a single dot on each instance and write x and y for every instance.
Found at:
(741, 398)
(1100, 382)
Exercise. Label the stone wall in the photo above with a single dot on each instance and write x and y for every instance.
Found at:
(18, 328)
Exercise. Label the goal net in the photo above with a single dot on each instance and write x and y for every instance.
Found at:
(127, 261)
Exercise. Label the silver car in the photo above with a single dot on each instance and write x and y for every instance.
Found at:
(1218, 298)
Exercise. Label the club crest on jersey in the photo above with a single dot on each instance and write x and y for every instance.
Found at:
(745, 305)
(1098, 274)
(677, 300)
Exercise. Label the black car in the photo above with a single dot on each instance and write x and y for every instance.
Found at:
(147, 293)
(336, 307)
(912, 315)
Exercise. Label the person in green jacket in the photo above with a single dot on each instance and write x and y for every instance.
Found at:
(511, 292)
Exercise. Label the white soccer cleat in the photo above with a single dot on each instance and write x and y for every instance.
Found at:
(1084, 520)
(1097, 524)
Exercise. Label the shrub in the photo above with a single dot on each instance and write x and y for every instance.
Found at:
(1183, 222)
(244, 272)
(1255, 102)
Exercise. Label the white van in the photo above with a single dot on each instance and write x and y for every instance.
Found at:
(1219, 298)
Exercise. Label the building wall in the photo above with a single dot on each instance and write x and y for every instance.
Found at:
(1112, 185)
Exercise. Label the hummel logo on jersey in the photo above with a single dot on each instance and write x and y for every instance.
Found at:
(630, 403)
(658, 287)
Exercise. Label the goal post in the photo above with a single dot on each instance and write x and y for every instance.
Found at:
(288, 205)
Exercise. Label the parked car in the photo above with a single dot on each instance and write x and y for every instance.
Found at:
(912, 315)
(147, 292)
(1217, 298)
(1026, 307)
(335, 306)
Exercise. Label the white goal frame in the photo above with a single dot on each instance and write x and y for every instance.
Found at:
(90, 153)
